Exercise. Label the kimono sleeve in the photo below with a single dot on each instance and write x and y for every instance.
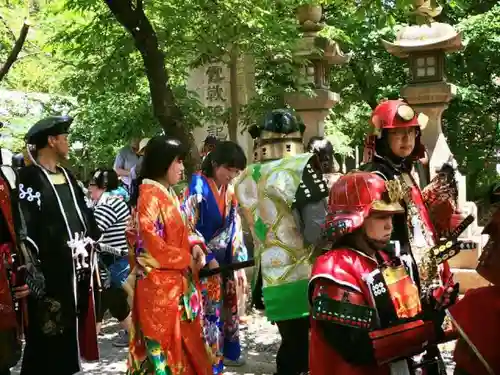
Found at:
(192, 197)
(30, 203)
(151, 229)
(240, 248)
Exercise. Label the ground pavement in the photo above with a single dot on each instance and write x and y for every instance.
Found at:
(260, 339)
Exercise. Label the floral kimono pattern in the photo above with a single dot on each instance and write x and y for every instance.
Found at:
(216, 218)
(166, 337)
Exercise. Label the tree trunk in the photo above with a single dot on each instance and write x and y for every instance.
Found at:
(234, 100)
(18, 45)
(165, 107)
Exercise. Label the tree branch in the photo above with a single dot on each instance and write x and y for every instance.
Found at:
(9, 30)
(165, 107)
(15, 50)
(140, 7)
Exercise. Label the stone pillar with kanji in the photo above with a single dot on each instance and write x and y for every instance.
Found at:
(321, 53)
(425, 47)
(211, 82)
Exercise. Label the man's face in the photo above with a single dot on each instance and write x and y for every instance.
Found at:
(134, 144)
(60, 145)
(402, 141)
(378, 228)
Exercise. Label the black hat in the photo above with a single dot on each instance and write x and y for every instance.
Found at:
(49, 126)
(282, 121)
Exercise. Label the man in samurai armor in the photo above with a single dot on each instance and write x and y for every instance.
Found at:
(476, 316)
(391, 151)
(13, 260)
(283, 198)
(61, 231)
(368, 315)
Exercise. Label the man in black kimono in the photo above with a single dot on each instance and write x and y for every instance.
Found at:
(61, 230)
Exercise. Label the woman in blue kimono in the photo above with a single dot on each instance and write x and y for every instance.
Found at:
(215, 217)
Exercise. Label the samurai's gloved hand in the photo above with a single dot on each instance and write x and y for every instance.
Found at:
(436, 302)
(443, 297)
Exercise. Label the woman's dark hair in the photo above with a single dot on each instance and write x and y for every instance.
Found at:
(106, 179)
(159, 154)
(227, 154)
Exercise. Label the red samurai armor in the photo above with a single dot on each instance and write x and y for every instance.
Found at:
(368, 316)
(476, 317)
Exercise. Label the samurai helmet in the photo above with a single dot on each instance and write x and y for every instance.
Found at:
(279, 136)
(354, 196)
(393, 114)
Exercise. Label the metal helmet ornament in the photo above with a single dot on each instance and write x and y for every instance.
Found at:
(279, 136)
(354, 196)
(394, 114)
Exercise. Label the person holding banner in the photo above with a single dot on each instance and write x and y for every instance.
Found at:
(215, 216)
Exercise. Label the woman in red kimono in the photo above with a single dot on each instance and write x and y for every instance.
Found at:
(166, 337)
(368, 314)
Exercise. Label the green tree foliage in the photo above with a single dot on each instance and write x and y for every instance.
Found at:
(79, 49)
(470, 122)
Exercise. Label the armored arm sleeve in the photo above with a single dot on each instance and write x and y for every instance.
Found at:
(344, 320)
(347, 324)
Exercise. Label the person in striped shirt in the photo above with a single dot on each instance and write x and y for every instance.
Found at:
(112, 214)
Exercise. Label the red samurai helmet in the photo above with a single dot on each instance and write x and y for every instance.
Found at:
(354, 197)
(393, 114)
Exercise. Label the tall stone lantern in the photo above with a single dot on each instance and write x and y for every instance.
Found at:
(425, 47)
(321, 53)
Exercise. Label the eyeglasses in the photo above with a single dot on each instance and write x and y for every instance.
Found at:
(402, 132)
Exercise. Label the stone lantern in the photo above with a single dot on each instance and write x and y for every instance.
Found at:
(425, 48)
(321, 53)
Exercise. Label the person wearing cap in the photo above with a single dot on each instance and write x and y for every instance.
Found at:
(60, 231)
(126, 159)
(368, 314)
